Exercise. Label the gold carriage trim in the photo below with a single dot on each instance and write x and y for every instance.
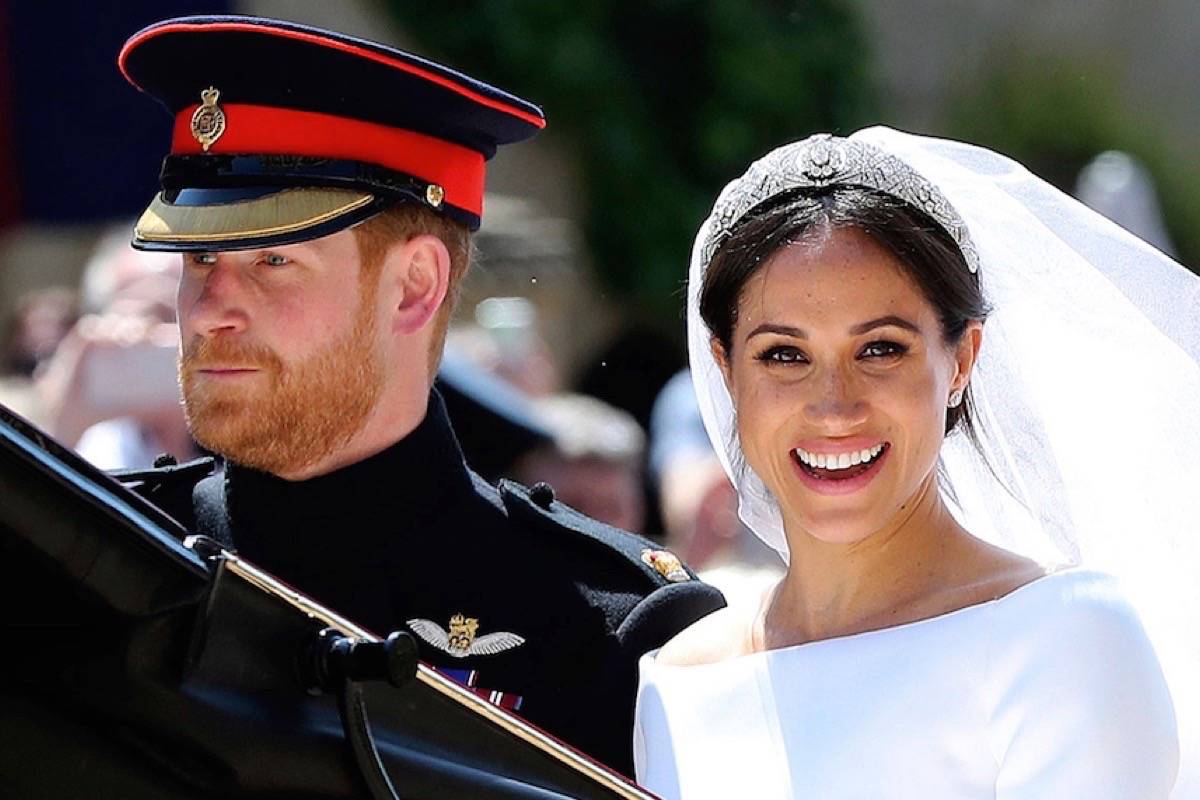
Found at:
(448, 688)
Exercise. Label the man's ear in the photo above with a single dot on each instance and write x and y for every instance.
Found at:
(417, 273)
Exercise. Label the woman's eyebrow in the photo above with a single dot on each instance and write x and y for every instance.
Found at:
(857, 330)
(880, 322)
(785, 330)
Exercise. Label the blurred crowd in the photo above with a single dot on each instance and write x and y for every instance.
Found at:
(95, 366)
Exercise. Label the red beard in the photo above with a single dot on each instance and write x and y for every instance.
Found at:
(290, 416)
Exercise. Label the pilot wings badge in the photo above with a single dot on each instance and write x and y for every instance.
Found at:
(460, 641)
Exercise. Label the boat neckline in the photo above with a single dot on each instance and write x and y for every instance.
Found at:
(1079, 570)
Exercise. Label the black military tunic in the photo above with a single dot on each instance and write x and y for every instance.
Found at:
(543, 610)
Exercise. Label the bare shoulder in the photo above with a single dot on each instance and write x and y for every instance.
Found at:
(999, 572)
(978, 573)
(721, 635)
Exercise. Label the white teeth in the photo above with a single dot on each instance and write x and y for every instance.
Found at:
(835, 461)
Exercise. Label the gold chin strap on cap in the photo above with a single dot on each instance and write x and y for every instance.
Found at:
(283, 212)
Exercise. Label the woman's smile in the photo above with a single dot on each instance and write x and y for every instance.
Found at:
(839, 471)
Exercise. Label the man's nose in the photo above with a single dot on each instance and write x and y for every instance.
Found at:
(218, 303)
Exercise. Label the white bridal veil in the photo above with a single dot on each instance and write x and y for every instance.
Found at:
(1087, 389)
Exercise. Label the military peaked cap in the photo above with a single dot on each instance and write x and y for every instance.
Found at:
(285, 133)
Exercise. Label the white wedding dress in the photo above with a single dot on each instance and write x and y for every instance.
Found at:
(1048, 693)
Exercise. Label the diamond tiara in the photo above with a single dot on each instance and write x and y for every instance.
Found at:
(825, 160)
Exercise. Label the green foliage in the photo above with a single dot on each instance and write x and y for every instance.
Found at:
(1054, 114)
(664, 102)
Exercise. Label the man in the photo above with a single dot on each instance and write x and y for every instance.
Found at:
(322, 190)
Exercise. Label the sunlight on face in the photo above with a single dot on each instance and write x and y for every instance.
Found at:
(840, 375)
(279, 366)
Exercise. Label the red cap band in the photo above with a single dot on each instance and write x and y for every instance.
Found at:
(263, 130)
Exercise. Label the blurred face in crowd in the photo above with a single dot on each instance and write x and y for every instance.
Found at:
(281, 363)
(137, 284)
(42, 320)
(610, 491)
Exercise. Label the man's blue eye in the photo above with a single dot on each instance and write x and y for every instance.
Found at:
(275, 260)
(207, 259)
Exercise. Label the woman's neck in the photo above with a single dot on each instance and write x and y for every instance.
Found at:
(840, 589)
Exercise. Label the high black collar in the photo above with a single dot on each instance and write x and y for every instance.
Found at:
(385, 494)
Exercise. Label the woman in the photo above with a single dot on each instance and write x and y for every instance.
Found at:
(946, 626)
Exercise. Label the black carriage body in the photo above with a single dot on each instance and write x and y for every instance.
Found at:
(134, 667)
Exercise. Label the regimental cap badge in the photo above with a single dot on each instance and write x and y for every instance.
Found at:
(460, 641)
(208, 122)
(667, 564)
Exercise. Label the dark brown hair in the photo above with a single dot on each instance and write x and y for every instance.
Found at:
(925, 250)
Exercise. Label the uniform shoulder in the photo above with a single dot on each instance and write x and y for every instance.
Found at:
(646, 593)
(641, 559)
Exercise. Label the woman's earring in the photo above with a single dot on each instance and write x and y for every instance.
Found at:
(955, 399)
